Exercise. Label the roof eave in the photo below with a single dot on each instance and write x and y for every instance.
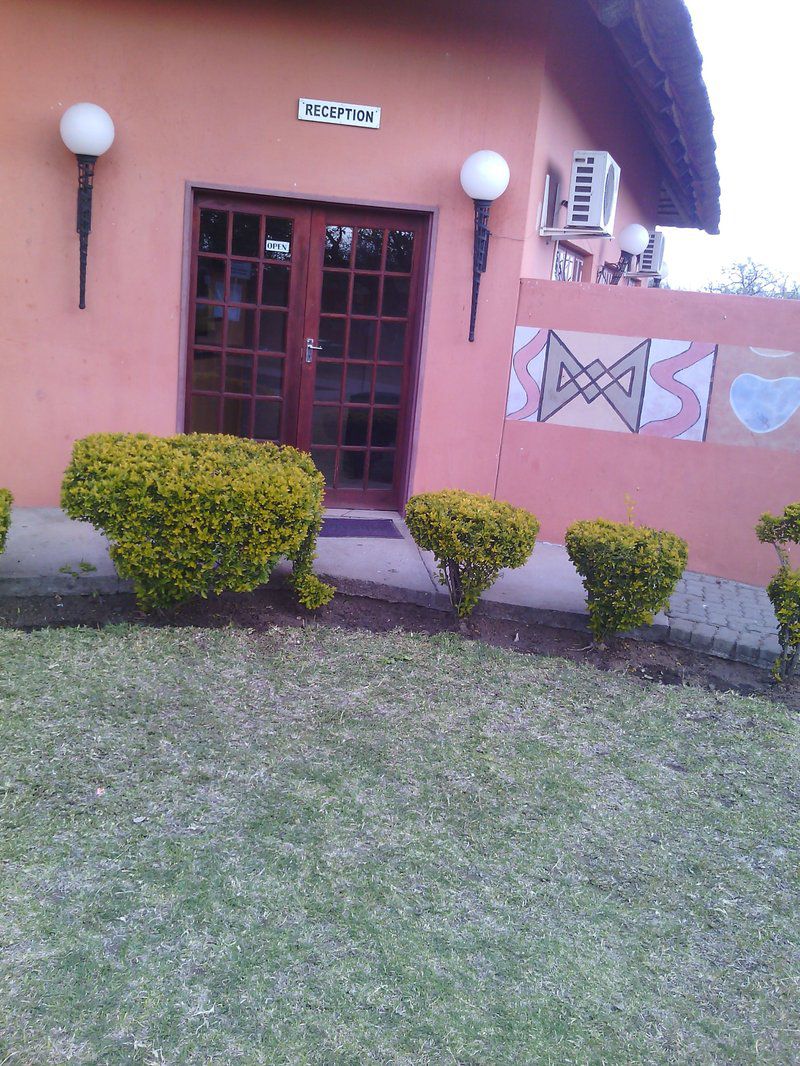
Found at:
(663, 67)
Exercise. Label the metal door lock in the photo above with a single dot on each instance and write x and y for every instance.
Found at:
(311, 348)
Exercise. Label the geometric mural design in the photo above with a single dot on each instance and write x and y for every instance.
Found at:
(621, 384)
(626, 384)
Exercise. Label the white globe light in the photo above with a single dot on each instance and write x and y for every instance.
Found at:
(87, 129)
(634, 239)
(485, 175)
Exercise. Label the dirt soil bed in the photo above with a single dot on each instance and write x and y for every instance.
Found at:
(271, 606)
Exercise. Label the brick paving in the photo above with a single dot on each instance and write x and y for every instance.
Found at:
(724, 618)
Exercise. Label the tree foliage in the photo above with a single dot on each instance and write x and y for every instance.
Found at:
(755, 279)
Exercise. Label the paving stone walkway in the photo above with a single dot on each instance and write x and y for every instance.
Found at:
(725, 618)
(47, 554)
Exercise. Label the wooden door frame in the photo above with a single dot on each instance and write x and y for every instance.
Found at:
(192, 188)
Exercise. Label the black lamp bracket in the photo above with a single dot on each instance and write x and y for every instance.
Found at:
(480, 255)
(621, 268)
(84, 222)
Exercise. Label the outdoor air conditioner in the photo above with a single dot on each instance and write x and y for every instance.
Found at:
(652, 258)
(593, 190)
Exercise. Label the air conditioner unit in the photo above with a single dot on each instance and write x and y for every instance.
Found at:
(652, 258)
(593, 190)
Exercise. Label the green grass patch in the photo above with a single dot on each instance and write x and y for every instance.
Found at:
(317, 846)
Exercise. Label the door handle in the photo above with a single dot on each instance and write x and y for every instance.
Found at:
(311, 348)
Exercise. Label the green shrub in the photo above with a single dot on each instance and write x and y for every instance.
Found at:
(6, 499)
(472, 537)
(629, 572)
(784, 594)
(197, 514)
(784, 589)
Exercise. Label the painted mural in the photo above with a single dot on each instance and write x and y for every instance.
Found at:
(598, 381)
(676, 389)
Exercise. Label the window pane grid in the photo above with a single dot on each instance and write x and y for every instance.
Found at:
(357, 445)
(237, 373)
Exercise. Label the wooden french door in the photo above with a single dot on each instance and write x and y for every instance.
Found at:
(304, 330)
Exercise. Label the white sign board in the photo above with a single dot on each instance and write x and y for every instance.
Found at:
(277, 246)
(341, 114)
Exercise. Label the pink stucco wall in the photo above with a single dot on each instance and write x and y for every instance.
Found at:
(207, 92)
(584, 463)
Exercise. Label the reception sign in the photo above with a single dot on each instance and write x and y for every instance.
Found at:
(341, 114)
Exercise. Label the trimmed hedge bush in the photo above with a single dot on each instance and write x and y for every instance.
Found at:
(784, 588)
(200, 513)
(784, 595)
(629, 572)
(6, 499)
(472, 537)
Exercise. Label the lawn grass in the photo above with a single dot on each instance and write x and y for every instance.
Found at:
(318, 846)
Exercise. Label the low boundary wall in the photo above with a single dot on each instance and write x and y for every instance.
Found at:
(682, 409)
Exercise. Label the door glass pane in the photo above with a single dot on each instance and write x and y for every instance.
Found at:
(384, 428)
(369, 249)
(204, 416)
(334, 292)
(245, 234)
(362, 338)
(325, 460)
(213, 231)
(381, 469)
(400, 251)
(236, 417)
(358, 387)
(351, 469)
(210, 279)
(239, 373)
(328, 382)
(338, 245)
(208, 324)
(267, 425)
(331, 337)
(325, 425)
(269, 377)
(395, 297)
(388, 380)
(278, 239)
(393, 335)
(354, 425)
(275, 288)
(206, 370)
(365, 294)
(241, 328)
(272, 335)
(244, 282)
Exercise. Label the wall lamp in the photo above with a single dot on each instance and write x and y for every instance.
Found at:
(87, 130)
(484, 177)
(632, 242)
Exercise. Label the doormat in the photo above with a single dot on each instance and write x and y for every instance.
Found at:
(360, 527)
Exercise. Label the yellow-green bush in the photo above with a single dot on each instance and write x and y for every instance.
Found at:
(784, 588)
(6, 499)
(629, 572)
(784, 594)
(472, 537)
(197, 514)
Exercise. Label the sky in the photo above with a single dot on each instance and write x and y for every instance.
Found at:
(751, 66)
